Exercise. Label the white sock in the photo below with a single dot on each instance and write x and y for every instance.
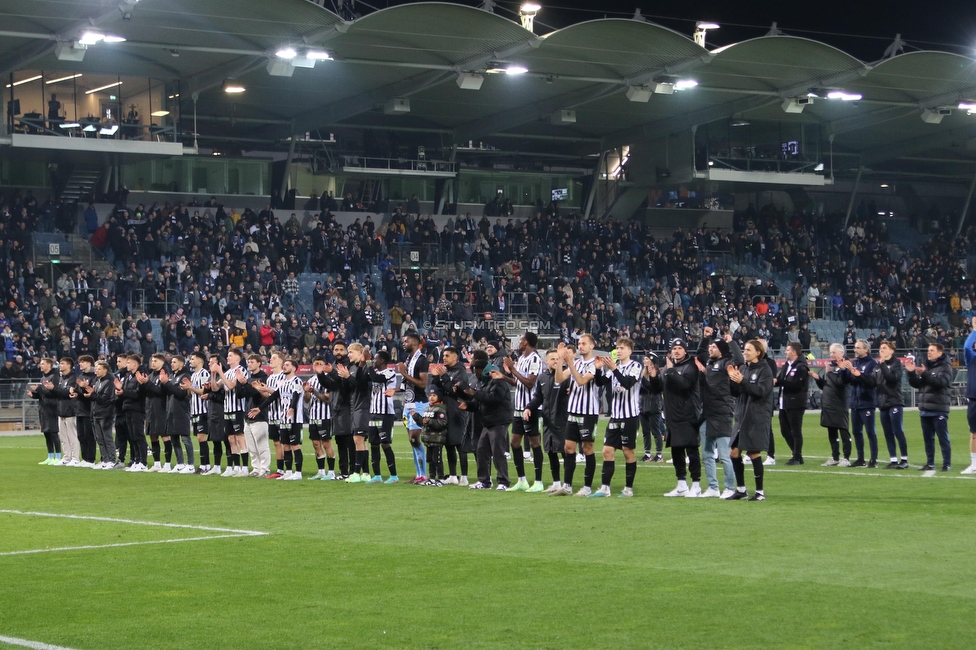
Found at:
(894, 459)
(557, 484)
(740, 489)
(695, 486)
(604, 488)
(973, 456)
(682, 486)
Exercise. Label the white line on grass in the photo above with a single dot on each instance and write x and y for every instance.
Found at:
(227, 533)
(34, 645)
(884, 475)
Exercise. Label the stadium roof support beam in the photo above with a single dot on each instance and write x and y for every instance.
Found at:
(965, 205)
(850, 203)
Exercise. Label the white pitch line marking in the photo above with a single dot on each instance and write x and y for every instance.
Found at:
(34, 645)
(227, 533)
(885, 475)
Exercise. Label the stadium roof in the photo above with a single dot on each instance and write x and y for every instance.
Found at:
(417, 51)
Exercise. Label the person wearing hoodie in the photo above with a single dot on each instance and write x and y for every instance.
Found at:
(891, 404)
(933, 380)
(682, 408)
(834, 415)
(753, 386)
(718, 407)
(492, 399)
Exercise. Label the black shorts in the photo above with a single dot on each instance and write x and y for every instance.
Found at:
(320, 430)
(381, 429)
(234, 423)
(201, 425)
(522, 428)
(581, 428)
(291, 434)
(971, 415)
(622, 433)
(274, 432)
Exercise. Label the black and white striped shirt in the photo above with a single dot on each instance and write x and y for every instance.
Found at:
(233, 401)
(277, 408)
(199, 380)
(528, 364)
(318, 410)
(379, 403)
(290, 388)
(626, 402)
(584, 400)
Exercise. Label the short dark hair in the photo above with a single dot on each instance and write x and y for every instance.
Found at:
(531, 338)
(796, 347)
(412, 334)
(68, 360)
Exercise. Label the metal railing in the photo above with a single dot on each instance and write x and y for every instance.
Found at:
(92, 128)
(353, 163)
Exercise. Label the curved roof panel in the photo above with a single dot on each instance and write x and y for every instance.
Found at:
(921, 77)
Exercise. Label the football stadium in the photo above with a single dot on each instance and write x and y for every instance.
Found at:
(612, 266)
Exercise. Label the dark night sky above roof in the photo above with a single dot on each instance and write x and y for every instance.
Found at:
(863, 28)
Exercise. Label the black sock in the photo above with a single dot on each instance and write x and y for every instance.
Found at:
(320, 461)
(288, 457)
(757, 469)
(218, 453)
(363, 460)
(390, 459)
(155, 450)
(245, 457)
(569, 459)
(204, 453)
(331, 461)
(299, 458)
(227, 450)
(631, 469)
(740, 471)
(608, 468)
(519, 461)
(537, 461)
(233, 460)
(374, 458)
(463, 462)
(554, 465)
(280, 464)
(452, 454)
(167, 450)
(343, 456)
(590, 470)
(432, 452)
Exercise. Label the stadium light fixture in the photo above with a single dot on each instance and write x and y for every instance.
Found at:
(159, 113)
(318, 55)
(23, 81)
(60, 79)
(90, 38)
(843, 96)
(233, 87)
(286, 53)
(701, 28)
(969, 107)
(113, 38)
(105, 87)
(515, 70)
(685, 84)
(527, 14)
(469, 81)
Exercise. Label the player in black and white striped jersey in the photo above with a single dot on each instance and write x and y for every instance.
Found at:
(382, 413)
(197, 386)
(276, 414)
(320, 422)
(623, 376)
(584, 412)
(234, 405)
(291, 394)
(524, 374)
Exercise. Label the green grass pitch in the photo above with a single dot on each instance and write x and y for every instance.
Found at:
(833, 558)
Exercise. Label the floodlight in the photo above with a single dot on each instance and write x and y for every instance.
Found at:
(233, 86)
(685, 84)
(286, 53)
(516, 69)
(112, 38)
(641, 94)
(935, 115)
(843, 96)
(700, 30)
(318, 55)
(469, 81)
(527, 13)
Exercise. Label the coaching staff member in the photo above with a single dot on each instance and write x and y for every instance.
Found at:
(793, 380)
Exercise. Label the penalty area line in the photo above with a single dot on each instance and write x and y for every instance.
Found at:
(121, 544)
(34, 645)
(212, 529)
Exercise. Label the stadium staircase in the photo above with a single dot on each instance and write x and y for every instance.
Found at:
(80, 182)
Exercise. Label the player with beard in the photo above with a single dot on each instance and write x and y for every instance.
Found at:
(276, 413)
(382, 412)
(341, 406)
(584, 412)
(320, 422)
(414, 373)
(196, 385)
(524, 375)
(256, 420)
(234, 403)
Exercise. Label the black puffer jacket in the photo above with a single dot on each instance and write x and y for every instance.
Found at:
(682, 402)
(833, 411)
(718, 405)
(888, 378)
(934, 385)
(493, 399)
